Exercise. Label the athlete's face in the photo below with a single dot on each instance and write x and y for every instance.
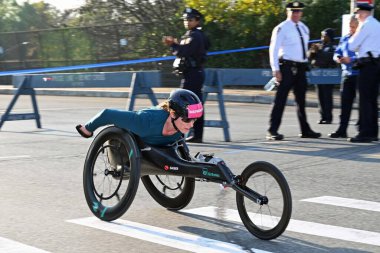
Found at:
(183, 125)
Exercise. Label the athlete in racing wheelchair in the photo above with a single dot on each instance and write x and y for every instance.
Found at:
(149, 144)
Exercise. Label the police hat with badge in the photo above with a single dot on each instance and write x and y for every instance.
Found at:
(190, 13)
(363, 7)
(295, 6)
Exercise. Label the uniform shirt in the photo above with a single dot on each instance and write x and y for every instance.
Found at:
(366, 38)
(193, 46)
(343, 50)
(286, 43)
(323, 58)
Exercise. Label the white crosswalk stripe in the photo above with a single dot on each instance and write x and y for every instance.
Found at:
(196, 243)
(346, 202)
(305, 227)
(9, 246)
(171, 238)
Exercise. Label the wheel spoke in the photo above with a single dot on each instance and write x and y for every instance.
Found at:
(108, 192)
(270, 220)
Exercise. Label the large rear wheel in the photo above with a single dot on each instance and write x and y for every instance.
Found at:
(111, 173)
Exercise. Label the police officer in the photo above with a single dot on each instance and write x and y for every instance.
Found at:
(346, 57)
(288, 59)
(191, 54)
(321, 56)
(365, 42)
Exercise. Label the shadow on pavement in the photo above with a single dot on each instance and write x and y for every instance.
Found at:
(237, 234)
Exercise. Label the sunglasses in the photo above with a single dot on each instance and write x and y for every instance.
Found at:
(187, 120)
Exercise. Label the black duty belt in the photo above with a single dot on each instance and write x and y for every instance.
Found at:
(293, 63)
(368, 59)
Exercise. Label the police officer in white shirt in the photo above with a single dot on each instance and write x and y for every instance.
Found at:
(288, 60)
(365, 42)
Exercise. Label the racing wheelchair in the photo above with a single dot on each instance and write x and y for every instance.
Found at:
(117, 159)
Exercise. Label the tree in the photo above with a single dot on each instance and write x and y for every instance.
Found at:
(101, 26)
(9, 14)
(152, 18)
(318, 17)
(239, 24)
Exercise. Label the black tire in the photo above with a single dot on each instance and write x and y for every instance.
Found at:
(270, 220)
(171, 192)
(111, 173)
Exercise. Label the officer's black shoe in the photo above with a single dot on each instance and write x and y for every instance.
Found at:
(194, 139)
(362, 139)
(310, 134)
(338, 134)
(274, 136)
(324, 122)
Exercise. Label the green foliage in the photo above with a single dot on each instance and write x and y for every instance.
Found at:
(249, 23)
(321, 14)
(230, 24)
(238, 24)
(9, 14)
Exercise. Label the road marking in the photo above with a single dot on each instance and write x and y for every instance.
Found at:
(9, 246)
(345, 202)
(272, 148)
(373, 156)
(174, 239)
(14, 157)
(305, 227)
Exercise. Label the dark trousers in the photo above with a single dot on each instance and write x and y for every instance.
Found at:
(325, 97)
(347, 97)
(299, 84)
(193, 80)
(368, 83)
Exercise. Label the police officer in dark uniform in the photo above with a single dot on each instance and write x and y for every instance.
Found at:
(321, 56)
(191, 53)
(289, 63)
(365, 42)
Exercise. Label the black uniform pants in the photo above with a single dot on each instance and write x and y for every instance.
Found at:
(368, 82)
(325, 97)
(299, 84)
(193, 79)
(347, 97)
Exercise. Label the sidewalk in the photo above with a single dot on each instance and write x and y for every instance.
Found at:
(248, 95)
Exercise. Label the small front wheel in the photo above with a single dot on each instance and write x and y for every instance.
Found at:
(269, 220)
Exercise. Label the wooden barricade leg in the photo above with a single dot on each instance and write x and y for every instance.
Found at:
(139, 86)
(217, 87)
(23, 89)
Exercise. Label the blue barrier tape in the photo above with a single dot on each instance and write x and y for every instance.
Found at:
(86, 66)
(118, 63)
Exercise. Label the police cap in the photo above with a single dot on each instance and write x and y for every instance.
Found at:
(363, 7)
(295, 6)
(191, 13)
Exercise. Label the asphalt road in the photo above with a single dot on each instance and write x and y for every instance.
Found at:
(334, 185)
